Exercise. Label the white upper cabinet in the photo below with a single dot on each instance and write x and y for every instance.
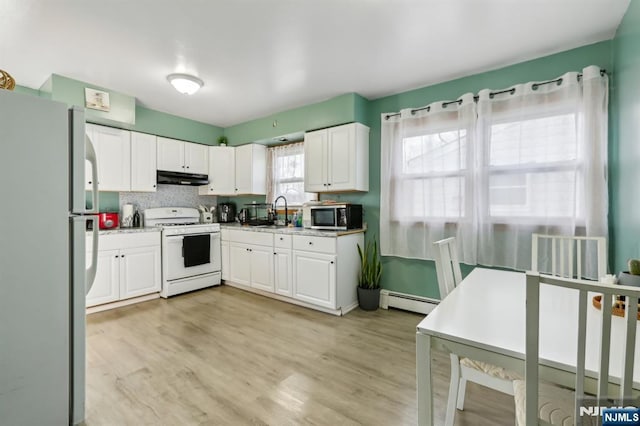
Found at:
(182, 157)
(240, 170)
(337, 159)
(143, 162)
(196, 158)
(113, 151)
(222, 171)
(251, 169)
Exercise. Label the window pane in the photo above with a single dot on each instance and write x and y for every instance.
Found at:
(537, 141)
(533, 194)
(294, 192)
(438, 152)
(432, 197)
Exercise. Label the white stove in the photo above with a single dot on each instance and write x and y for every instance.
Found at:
(190, 250)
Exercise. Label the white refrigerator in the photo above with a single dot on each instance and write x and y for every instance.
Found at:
(43, 272)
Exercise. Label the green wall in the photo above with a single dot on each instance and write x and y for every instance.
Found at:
(625, 149)
(342, 109)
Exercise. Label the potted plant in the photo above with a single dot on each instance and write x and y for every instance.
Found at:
(222, 140)
(369, 278)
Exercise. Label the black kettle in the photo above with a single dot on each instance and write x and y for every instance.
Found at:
(243, 216)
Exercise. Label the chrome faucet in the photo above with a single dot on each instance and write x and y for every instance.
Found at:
(286, 211)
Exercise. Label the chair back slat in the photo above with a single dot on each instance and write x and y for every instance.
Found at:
(631, 313)
(608, 291)
(571, 256)
(531, 348)
(581, 355)
(447, 265)
(605, 344)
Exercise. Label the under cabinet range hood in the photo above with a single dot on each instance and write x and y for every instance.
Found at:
(177, 178)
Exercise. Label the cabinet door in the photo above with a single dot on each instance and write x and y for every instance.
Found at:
(196, 158)
(262, 268)
(105, 287)
(170, 155)
(222, 171)
(143, 162)
(314, 278)
(341, 158)
(114, 158)
(224, 254)
(139, 271)
(239, 263)
(315, 159)
(243, 170)
(283, 272)
(87, 165)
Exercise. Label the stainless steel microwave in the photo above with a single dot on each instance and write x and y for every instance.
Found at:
(338, 217)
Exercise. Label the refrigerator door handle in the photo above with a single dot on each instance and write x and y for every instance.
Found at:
(92, 158)
(91, 270)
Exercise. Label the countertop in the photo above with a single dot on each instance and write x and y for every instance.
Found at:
(291, 230)
(128, 230)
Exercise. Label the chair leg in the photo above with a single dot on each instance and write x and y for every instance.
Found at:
(461, 392)
(453, 390)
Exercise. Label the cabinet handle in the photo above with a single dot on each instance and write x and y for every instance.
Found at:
(183, 167)
(154, 186)
(332, 262)
(122, 255)
(90, 182)
(328, 184)
(116, 256)
(187, 167)
(310, 243)
(274, 254)
(281, 238)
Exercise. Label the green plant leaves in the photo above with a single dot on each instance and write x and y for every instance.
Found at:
(370, 265)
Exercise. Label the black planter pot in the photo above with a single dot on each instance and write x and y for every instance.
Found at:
(369, 298)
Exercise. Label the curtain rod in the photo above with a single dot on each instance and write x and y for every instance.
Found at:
(535, 86)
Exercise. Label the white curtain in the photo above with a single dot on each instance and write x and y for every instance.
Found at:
(536, 161)
(426, 179)
(285, 174)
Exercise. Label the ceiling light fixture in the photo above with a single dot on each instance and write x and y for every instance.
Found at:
(185, 83)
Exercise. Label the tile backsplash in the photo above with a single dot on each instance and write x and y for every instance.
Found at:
(167, 196)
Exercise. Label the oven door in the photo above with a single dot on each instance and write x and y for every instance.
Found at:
(173, 256)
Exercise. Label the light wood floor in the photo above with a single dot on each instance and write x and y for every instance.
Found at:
(222, 356)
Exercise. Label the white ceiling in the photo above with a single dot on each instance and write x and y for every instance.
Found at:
(258, 57)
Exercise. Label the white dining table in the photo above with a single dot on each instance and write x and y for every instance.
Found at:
(483, 318)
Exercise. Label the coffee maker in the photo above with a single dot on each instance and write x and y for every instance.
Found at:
(226, 212)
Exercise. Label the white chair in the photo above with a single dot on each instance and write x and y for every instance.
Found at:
(570, 256)
(540, 402)
(464, 369)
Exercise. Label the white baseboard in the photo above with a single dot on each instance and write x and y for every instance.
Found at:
(407, 302)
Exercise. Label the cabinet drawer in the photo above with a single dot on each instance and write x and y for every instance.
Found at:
(314, 244)
(250, 237)
(128, 240)
(282, 241)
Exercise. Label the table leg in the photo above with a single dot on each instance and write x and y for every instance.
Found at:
(423, 379)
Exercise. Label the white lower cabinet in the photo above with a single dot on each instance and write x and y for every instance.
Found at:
(283, 271)
(315, 278)
(250, 259)
(224, 255)
(315, 271)
(128, 266)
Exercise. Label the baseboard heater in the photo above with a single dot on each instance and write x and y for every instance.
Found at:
(407, 302)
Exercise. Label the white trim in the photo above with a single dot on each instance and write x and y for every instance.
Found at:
(337, 312)
(407, 302)
(120, 303)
